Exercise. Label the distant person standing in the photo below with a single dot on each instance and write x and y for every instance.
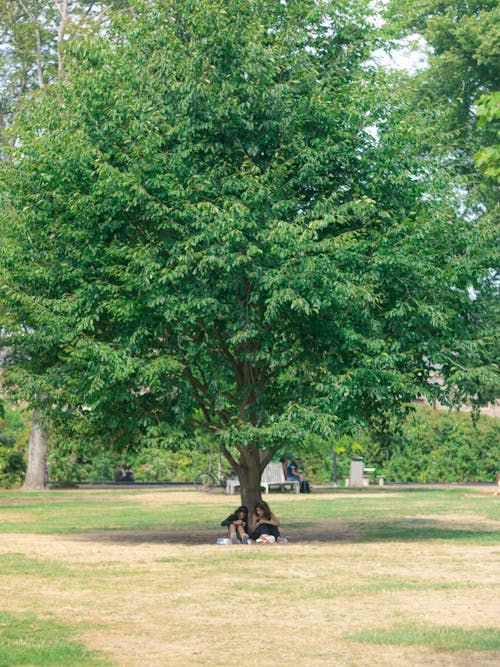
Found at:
(294, 474)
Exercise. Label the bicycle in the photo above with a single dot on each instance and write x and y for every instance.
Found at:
(208, 481)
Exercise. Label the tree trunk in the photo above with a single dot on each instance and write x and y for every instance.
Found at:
(249, 476)
(35, 479)
(39, 60)
(249, 469)
(62, 6)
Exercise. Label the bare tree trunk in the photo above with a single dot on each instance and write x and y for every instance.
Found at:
(62, 6)
(250, 466)
(39, 55)
(39, 60)
(250, 492)
(35, 479)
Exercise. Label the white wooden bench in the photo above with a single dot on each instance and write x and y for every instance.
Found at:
(232, 484)
(272, 477)
(366, 475)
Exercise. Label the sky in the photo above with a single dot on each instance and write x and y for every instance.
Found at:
(410, 56)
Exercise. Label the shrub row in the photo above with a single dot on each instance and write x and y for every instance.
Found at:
(433, 446)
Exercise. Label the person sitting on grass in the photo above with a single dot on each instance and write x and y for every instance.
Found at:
(265, 524)
(237, 525)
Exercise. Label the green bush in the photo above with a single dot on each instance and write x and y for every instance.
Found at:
(12, 468)
(14, 434)
(432, 446)
(445, 447)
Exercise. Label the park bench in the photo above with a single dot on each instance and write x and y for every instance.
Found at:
(273, 478)
(366, 475)
(232, 484)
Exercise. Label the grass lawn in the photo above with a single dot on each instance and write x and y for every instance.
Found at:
(133, 577)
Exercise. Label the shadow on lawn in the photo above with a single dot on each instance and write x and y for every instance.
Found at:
(413, 529)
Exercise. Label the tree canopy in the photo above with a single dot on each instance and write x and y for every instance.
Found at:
(226, 218)
(463, 40)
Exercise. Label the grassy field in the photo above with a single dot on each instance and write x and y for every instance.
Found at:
(133, 577)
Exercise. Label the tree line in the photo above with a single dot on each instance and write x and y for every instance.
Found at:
(432, 446)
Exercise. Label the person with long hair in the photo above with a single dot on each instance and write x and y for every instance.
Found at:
(237, 525)
(264, 524)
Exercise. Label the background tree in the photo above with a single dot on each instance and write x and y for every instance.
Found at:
(464, 65)
(488, 158)
(33, 34)
(464, 46)
(202, 229)
(463, 41)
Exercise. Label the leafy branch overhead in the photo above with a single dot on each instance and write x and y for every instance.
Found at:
(201, 229)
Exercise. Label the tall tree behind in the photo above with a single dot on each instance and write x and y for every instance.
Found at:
(463, 37)
(201, 229)
(488, 158)
(464, 61)
(33, 35)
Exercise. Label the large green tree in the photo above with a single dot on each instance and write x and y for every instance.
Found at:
(224, 218)
(463, 37)
(460, 86)
(34, 34)
(463, 40)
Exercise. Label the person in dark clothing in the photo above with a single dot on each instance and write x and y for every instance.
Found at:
(237, 525)
(294, 473)
(264, 522)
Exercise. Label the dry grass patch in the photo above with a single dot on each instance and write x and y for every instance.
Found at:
(171, 596)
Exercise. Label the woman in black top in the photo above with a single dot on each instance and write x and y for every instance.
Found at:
(264, 522)
(237, 525)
